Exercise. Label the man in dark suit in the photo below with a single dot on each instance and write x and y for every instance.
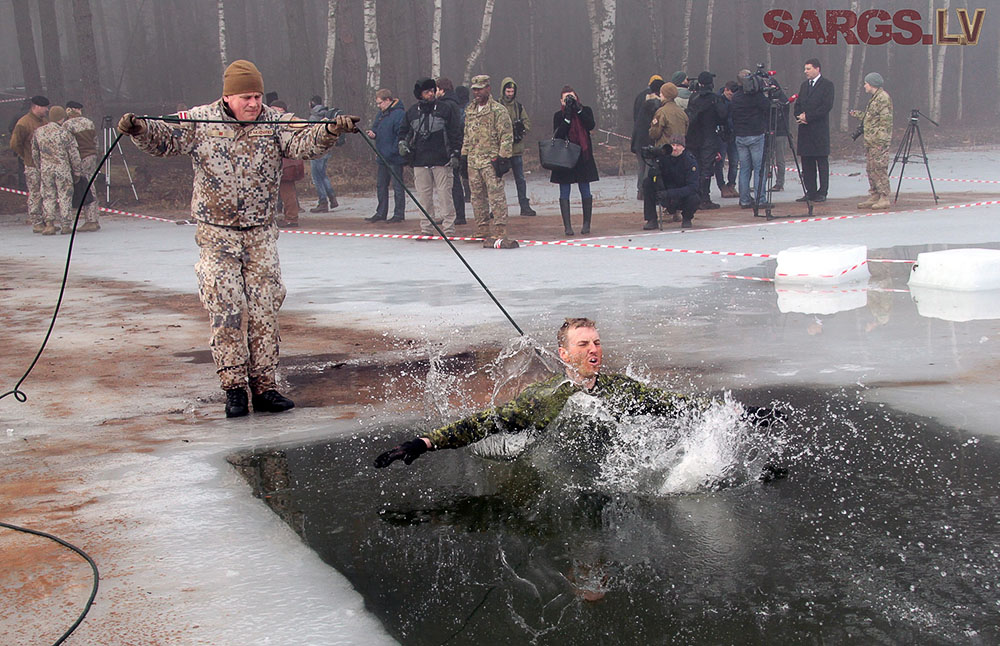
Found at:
(812, 112)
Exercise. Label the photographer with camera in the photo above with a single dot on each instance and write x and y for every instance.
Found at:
(521, 124)
(574, 121)
(876, 126)
(672, 182)
(750, 107)
(706, 112)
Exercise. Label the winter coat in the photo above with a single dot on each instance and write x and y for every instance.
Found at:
(749, 112)
(488, 134)
(516, 111)
(20, 137)
(85, 133)
(816, 102)
(706, 111)
(386, 128)
(436, 128)
(678, 175)
(586, 168)
(669, 119)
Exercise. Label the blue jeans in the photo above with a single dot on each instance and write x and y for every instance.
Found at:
(517, 166)
(382, 191)
(324, 188)
(564, 190)
(751, 151)
(728, 151)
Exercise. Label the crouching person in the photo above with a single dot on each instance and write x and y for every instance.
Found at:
(672, 184)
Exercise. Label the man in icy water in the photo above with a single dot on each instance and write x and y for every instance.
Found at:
(540, 403)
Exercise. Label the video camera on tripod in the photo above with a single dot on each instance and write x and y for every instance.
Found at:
(761, 81)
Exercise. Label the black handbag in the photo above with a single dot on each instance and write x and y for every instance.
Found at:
(558, 154)
(80, 193)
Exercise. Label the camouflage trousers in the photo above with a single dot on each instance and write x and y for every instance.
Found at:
(89, 165)
(238, 272)
(57, 194)
(34, 181)
(488, 196)
(877, 167)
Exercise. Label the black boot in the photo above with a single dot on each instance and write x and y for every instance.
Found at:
(271, 401)
(588, 210)
(564, 209)
(236, 402)
(321, 207)
(526, 208)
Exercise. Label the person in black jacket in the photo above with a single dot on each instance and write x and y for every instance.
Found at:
(430, 139)
(706, 112)
(645, 106)
(750, 111)
(672, 183)
(446, 92)
(574, 121)
(812, 113)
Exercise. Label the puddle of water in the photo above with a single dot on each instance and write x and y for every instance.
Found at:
(883, 533)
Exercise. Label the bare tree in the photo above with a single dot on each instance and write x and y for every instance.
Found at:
(26, 45)
(845, 96)
(51, 52)
(686, 51)
(708, 34)
(436, 41)
(372, 54)
(89, 74)
(603, 15)
(223, 55)
(484, 35)
(938, 75)
(331, 48)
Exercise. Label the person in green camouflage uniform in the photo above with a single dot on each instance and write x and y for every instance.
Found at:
(85, 133)
(55, 155)
(540, 403)
(236, 145)
(488, 145)
(877, 122)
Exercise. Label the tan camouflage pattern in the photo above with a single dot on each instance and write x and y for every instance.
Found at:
(34, 181)
(238, 272)
(488, 196)
(878, 135)
(85, 134)
(540, 403)
(57, 159)
(237, 168)
(488, 133)
(89, 165)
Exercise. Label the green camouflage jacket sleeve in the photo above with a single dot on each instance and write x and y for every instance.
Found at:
(540, 403)
(878, 118)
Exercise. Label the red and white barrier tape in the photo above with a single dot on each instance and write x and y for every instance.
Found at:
(848, 270)
(936, 179)
(13, 100)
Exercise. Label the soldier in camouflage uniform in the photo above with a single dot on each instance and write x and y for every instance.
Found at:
(236, 146)
(20, 143)
(488, 143)
(54, 152)
(877, 123)
(85, 133)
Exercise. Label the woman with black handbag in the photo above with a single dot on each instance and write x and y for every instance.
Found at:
(573, 122)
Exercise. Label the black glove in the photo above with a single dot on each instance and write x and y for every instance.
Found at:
(501, 165)
(663, 198)
(455, 162)
(763, 417)
(407, 452)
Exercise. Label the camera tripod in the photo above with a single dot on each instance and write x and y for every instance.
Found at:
(108, 138)
(903, 152)
(776, 111)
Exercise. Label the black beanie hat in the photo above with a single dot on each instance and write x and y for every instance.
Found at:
(423, 84)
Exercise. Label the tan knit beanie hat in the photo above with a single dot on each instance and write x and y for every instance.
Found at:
(242, 77)
(57, 113)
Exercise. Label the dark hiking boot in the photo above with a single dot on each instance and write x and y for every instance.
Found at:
(686, 224)
(320, 208)
(651, 225)
(526, 209)
(236, 402)
(708, 206)
(375, 218)
(334, 203)
(394, 219)
(271, 401)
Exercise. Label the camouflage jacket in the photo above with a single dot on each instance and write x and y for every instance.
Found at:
(53, 148)
(540, 403)
(83, 130)
(237, 168)
(488, 133)
(20, 138)
(878, 119)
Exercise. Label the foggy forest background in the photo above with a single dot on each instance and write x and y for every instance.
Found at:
(150, 55)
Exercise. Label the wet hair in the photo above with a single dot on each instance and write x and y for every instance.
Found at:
(383, 94)
(444, 83)
(571, 324)
(814, 62)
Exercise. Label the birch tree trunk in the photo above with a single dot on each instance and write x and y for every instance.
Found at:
(845, 96)
(331, 48)
(710, 9)
(89, 74)
(939, 75)
(223, 56)
(960, 107)
(372, 54)
(484, 35)
(652, 11)
(603, 15)
(436, 41)
(686, 50)
(859, 95)
(930, 64)
(51, 52)
(26, 46)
